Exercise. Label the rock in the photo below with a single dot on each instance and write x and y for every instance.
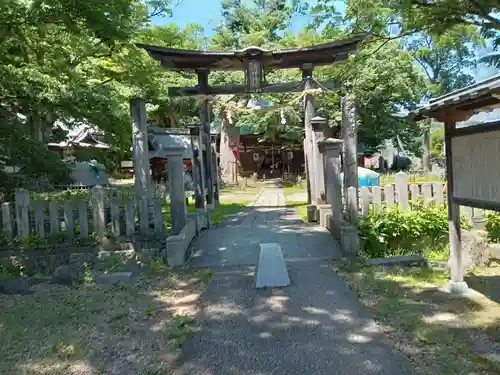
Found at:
(68, 274)
(495, 251)
(114, 278)
(475, 249)
(19, 285)
(403, 261)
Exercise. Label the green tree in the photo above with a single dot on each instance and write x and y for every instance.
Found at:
(77, 62)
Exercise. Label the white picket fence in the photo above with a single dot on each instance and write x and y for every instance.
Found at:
(398, 194)
(403, 194)
(102, 213)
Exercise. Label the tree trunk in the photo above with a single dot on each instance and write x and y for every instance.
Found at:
(37, 127)
(229, 138)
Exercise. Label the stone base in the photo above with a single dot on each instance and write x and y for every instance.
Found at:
(324, 211)
(402, 261)
(457, 287)
(177, 245)
(312, 213)
(475, 250)
(200, 220)
(345, 234)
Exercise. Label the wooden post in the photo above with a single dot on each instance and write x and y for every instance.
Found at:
(350, 159)
(98, 211)
(7, 219)
(389, 195)
(457, 283)
(54, 217)
(377, 198)
(129, 217)
(426, 156)
(178, 210)
(157, 215)
(140, 152)
(115, 217)
(364, 193)
(22, 203)
(69, 219)
(40, 218)
(427, 193)
(83, 218)
(402, 190)
(309, 111)
(205, 136)
(414, 192)
(198, 170)
(438, 193)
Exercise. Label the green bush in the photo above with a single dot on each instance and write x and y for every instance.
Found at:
(492, 226)
(393, 232)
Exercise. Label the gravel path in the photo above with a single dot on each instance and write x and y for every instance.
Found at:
(315, 326)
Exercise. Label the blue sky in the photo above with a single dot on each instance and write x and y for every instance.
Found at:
(207, 13)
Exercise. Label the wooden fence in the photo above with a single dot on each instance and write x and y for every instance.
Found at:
(402, 194)
(102, 211)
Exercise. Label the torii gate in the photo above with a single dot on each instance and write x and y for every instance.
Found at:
(255, 62)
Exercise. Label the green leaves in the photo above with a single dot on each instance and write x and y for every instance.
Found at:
(77, 62)
(395, 232)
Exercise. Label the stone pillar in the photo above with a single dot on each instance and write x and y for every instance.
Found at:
(331, 149)
(318, 125)
(178, 209)
(350, 159)
(198, 170)
(205, 136)
(308, 144)
(140, 151)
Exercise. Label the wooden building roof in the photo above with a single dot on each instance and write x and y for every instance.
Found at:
(192, 60)
(479, 97)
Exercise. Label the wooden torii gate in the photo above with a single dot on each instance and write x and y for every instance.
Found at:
(255, 62)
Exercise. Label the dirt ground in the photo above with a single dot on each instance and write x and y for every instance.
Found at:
(441, 333)
(126, 329)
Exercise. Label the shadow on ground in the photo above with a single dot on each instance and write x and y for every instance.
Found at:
(235, 241)
(443, 334)
(126, 329)
(314, 326)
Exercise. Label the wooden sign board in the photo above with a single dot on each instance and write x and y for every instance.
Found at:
(476, 166)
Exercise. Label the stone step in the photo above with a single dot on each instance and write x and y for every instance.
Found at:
(271, 271)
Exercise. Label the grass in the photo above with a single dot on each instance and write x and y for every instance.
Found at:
(434, 329)
(90, 329)
(296, 195)
(225, 209)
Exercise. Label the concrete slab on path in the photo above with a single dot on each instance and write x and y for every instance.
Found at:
(316, 326)
(271, 272)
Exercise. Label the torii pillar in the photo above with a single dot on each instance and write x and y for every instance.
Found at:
(140, 152)
(309, 113)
